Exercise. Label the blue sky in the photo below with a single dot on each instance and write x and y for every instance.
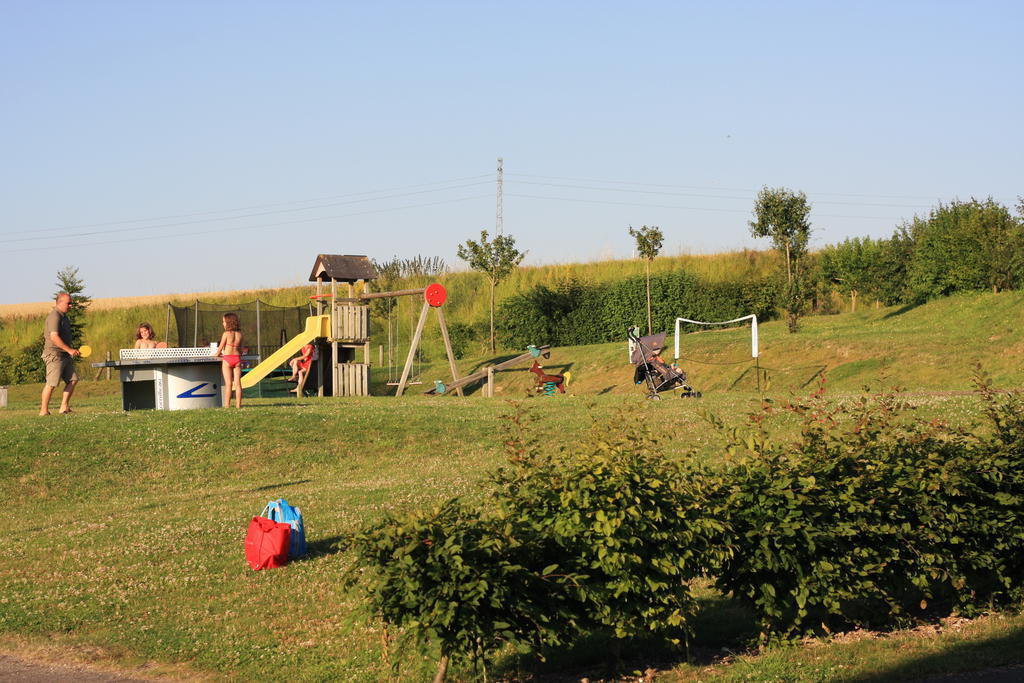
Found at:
(191, 146)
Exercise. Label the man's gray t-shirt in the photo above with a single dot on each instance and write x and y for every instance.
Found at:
(59, 323)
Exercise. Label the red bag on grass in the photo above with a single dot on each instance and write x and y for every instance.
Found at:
(266, 544)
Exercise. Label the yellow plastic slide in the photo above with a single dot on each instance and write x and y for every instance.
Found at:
(316, 326)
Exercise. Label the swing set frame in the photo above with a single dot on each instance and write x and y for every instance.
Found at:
(350, 321)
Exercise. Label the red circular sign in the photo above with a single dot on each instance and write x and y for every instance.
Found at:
(435, 295)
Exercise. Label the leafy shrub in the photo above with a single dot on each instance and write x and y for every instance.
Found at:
(454, 582)
(25, 366)
(889, 270)
(576, 313)
(996, 548)
(538, 316)
(620, 518)
(462, 336)
(605, 535)
(8, 370)
(964, 246)
(867, 519)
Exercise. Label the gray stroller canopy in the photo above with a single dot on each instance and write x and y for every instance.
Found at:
(648, 345)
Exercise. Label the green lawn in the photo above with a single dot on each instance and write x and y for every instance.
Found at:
(125, 531)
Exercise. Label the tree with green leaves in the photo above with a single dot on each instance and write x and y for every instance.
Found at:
(69, 281)
(850, 267)
(1000, 237)
(964, 246)
(782, 215)
(890, 270)
(649, 241)
(496, 259)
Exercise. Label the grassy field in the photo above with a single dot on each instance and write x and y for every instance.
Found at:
(112, 322)
(125, 530)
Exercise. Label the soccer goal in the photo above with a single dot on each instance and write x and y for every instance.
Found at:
(753, 330)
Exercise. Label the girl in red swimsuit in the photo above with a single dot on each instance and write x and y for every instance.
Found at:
(230, 349)
(300, 364)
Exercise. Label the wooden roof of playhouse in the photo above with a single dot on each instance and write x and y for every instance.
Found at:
(342, 268)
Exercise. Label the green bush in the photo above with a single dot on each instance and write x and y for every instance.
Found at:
(612, 512)
(575, 313)
(965, 246)
(25, 366)
(462, 337)
(868, 519)
(603, 536)
(8, 370)
(455, 582)
(890, 269)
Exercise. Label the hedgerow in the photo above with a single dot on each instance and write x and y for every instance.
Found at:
(603, 535)
(869, 518)
(573, 312)
(618, 517)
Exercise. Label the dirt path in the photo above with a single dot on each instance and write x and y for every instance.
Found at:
(25, 671)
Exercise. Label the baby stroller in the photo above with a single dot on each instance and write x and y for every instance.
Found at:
(652, 371)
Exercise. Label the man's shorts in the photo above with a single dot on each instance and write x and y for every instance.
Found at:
(59, 366)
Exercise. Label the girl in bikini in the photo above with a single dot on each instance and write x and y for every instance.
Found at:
(230, 350)
(144, 337)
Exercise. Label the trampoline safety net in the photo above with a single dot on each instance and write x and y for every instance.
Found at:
(266, 328)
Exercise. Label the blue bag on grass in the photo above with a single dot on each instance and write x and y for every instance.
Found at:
(280, 511)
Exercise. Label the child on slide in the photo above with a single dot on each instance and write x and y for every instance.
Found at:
(230, 352)
(300, 364)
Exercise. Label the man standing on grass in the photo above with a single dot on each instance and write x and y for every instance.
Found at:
(59, 355)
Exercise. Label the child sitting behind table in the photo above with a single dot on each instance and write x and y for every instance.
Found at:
(144, 337)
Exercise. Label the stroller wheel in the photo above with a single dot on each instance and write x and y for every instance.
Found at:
(654, 397)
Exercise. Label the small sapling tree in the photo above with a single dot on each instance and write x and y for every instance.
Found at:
(782, 215)
(648, 245)
(68, 281)
(496, 259)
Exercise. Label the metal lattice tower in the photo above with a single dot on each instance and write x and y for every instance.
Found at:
(498, 220)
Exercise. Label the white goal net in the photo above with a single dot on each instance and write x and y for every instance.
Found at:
(753, 330)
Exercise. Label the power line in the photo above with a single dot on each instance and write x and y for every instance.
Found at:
(499, 220)
(713, 188)
(704, 196)
(673, 206)
(249, 208)
(231, 218)
(245, 227)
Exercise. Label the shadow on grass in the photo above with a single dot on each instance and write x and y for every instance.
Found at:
(721, 627)
(724, 627)
(322, 547)
(900, 311)
(263, 406)
(961, 657)
(280, 485)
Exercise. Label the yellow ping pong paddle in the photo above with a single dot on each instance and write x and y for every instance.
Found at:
(84, 350)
